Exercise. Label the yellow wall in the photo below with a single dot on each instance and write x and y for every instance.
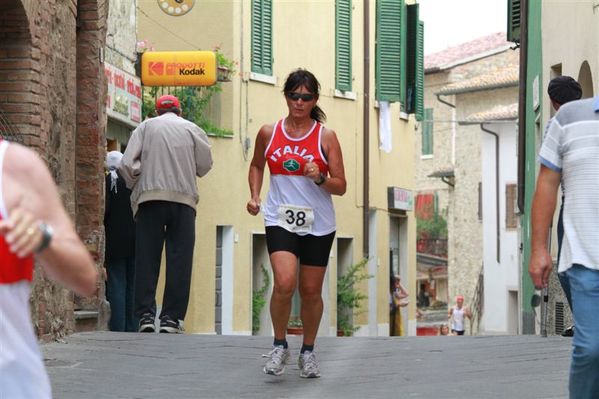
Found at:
(303, 36)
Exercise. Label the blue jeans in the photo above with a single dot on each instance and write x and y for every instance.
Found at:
(120, 293)
(584, 370)
(563, 278)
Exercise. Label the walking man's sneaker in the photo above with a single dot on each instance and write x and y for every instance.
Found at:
(568, 332)
(146, 323)
(278, 357)
(168, 325)
(308, 365)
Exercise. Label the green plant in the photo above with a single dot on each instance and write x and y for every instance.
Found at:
(435, 227)
(259, 300)
(349, 298)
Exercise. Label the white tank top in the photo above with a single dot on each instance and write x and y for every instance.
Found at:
(22, 373)
(457, 317)
(294, 202)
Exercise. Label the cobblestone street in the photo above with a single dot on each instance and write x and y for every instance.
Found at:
(121, 365)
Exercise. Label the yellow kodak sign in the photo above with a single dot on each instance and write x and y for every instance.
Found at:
(178, 68)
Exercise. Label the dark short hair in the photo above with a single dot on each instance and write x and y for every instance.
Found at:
(564, 89)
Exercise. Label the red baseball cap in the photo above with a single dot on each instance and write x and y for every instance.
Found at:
(167, 101)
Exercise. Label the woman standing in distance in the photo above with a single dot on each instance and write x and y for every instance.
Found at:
(306, 167)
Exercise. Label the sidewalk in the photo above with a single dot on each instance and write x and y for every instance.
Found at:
(131, 365)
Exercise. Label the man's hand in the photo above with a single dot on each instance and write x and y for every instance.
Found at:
(540, 267)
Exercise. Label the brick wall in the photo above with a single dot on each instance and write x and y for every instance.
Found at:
(41, 68)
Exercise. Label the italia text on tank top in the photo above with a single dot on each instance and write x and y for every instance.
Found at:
(22, 373)
(294, 202)
(458, 319)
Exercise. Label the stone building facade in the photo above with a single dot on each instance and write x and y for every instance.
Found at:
(52, 91)
(450, 168)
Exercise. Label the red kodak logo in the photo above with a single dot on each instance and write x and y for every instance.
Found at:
(156, 68)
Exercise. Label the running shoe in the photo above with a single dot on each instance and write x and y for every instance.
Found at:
(278, 357)
(308, 365)
(146, 323)
(170, 326)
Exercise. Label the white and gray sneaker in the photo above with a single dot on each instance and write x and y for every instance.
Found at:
(308, 365)
(277, 358)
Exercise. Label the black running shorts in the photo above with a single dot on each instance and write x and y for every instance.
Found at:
(310, 249)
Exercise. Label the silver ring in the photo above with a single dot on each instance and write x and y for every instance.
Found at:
(30, 231)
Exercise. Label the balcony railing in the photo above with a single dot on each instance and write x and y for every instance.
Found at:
(432, 246)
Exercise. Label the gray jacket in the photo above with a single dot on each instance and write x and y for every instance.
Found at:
(163, 157)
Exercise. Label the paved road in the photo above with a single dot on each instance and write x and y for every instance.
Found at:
(131, 365)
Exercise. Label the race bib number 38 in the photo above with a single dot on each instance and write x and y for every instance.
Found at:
(296, 219)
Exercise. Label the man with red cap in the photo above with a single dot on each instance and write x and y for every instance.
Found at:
(164, 156)
(457, 316)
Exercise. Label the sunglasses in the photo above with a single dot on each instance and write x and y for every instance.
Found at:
(304, 96)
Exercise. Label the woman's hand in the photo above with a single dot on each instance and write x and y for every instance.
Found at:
(253, 206)
(312, 171)
(22, 232)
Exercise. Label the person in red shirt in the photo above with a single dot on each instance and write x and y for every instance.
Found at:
(33, 223)
(306, 167)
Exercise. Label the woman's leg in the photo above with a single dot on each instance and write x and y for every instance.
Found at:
(284, 267)
(310, 288)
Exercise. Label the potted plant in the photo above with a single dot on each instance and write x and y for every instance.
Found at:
(295, 327)
(349, 298)
(259, 300)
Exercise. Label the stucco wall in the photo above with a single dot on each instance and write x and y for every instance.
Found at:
(246, 104)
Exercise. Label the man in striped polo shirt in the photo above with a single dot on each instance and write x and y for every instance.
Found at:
(570, 154)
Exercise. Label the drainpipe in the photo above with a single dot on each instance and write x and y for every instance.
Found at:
(497, 212)
(443, 101)
(366, 133)
(522, 105)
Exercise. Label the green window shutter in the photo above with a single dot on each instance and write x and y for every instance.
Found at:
(513, 21)
(262, 36)
(389, 57)
(427, 132)
(420, 72)
(414, 63)
(343, 70)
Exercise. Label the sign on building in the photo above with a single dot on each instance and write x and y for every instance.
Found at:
(178, 68)
(123, 101)
(400, 198)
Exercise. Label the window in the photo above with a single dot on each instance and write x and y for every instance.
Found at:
(415, 64)
(343, 71)
(390, 50)
(262, 37)
(513, 21)
(511, 206)
(427, 132)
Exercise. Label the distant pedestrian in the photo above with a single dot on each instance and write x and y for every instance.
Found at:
(570, 155)
(562, 90)
(119, 254)
(444, 329)
(164, 156)
(457, 315)
(33, 223)
(306, 169)
(398, 298)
